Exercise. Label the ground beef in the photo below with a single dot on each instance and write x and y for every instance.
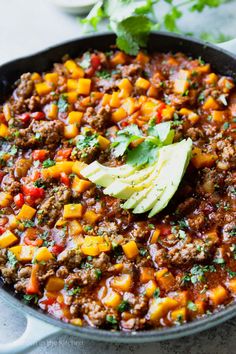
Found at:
(70, 258)
(10, 185)
(40, 134)
(187, 206)
(190, 252)
(87, 154)
(96, 312)
(99, 120)
(131, 70)
(51, 207)
(101, 262)
(25, 87)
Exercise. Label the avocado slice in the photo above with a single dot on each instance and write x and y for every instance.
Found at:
(95, 166)
(102, 178)
(135, 198)
(176, 170)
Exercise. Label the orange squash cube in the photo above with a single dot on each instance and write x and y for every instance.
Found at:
(130, 249)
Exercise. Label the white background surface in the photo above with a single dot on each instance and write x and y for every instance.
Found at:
(27, 26)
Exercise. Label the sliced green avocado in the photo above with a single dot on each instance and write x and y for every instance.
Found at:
(175, 169)
(120, 171)
(139, 176)
(102, 178)
(120, 189)
(136, 198)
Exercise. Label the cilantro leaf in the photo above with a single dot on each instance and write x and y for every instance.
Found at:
(144, 153)
(95, 15)
(48, 163)
(12, 259)
(163, 132)
(124, 138)
(85, 141)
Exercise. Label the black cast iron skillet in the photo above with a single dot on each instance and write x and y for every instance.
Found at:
(41, 325)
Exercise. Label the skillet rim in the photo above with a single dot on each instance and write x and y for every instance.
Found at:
(153, 335)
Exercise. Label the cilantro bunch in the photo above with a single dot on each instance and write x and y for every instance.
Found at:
(132, 20)
(146, 151)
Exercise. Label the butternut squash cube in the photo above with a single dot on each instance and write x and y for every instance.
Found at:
(91, 217)
(7, 239)
(142, 58)
(57, 169)
(159, 308)
(142, 83)
(73, 211)
(43, 254)
(112, 299)
(52, 78)
(146, 274)
(26, 213)
(84, 86)
(119, 115)
(200, 159)
(35, 77)
(77, 322)
(71, 131)
(43, 88)
(80, 185)
(53, 111)
(150, 288)
(130, 249)
(75, 117)
(71, 96)
(5, 199)
(165, 279)
(232, 286)
(103, 142)
(217, 295)
(23, 253)
(167, 113)
(218, 116)
(179, 315)
(75, 71)
(210, 104)
(115, 100)
(118, 58)
(4, 131)
(106, 99)
(54, 284)
(126, 88)
(72, 84)
(122, 282)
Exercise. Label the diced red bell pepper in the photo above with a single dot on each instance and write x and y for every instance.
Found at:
(63, 154)
(2, 230)
(2, 118)
(2, 174)
(38, 115)
(39, 155)
(165, 230)
(19, 200)
(57, 249)
(33, 285)
(95, 61)
(33, 192)
(65, 179)
(24, 117)
(159, 112)
(35, 175)
(49, 301)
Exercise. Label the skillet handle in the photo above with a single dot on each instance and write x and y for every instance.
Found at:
(35, 331)
(229, 45)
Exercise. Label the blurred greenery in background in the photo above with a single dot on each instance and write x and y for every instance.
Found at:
(132, 20)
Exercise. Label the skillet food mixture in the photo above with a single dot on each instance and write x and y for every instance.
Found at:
(105, 251)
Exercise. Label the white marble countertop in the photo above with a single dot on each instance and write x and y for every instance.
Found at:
(27, 26)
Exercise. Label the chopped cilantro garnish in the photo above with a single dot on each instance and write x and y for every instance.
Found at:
(48, 163)
(111, 320)
(12, 261)
(31, 298)
(74, 291)
(156, 293)
(98, 273)
(191, 306)
(103, 74)
(87, 140)
(28, 223)
(124, 306)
